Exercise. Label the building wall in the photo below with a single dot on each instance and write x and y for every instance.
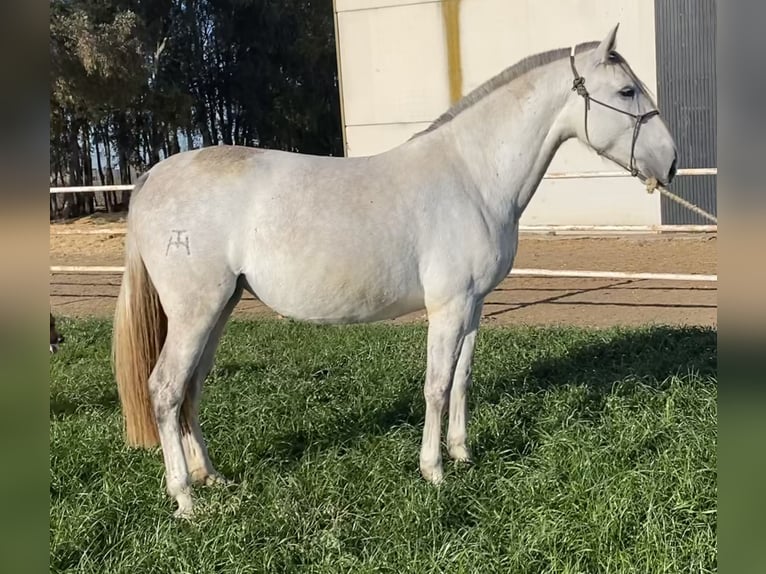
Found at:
(686, 68)
(393, 58)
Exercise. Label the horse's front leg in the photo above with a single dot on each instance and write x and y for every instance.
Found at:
(448, 325)
(457, 435)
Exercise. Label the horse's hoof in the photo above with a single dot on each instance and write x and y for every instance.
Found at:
(183, 513)
(432, 474)
(202, 477)
(460, 453)
(216, 479)
(185, 508)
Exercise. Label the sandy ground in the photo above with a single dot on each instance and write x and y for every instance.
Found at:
(517, 300)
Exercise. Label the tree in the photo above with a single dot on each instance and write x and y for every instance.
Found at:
(133, 81)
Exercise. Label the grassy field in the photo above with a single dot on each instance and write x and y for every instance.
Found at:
(595, 452)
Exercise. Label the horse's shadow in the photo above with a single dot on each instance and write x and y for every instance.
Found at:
(62, 405)
(600, 368)
(651, 357)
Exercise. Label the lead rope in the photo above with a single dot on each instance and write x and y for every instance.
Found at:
(578, 85)
(652, 184)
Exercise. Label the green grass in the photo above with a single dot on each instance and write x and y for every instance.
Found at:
(595, 452)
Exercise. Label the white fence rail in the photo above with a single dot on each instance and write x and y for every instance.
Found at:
(522, 228)
(90, 188)
(599, 174)
(521, 272)
(553, 175)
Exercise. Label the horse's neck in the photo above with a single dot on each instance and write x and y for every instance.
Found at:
(508, 139)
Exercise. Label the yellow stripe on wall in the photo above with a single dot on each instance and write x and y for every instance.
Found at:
(451, 15)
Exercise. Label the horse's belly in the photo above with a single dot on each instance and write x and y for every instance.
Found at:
(338, 294)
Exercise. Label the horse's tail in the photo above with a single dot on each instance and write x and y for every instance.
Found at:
(140, 327)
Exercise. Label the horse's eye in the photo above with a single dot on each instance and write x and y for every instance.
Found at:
(627, 92)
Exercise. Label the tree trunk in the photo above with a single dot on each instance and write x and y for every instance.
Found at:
(75, 171)
(155, 143)
(175, 145)
(72, 203)
(211, 116)
(189, 139)
(99, 165)
(89, 199)
(224, 110)
(124, 148)
(108, 156)
(164, 142)
(108, 195)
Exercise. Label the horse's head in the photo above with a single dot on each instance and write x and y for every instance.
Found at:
(613, 113)
(56, 339)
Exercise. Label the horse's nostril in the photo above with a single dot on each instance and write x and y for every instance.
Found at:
(672, 172)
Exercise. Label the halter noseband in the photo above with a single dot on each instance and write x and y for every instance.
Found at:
(578, 85)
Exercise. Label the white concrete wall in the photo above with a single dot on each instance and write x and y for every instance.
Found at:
(392, 58)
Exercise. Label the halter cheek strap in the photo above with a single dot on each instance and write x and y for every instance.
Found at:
(578, 85)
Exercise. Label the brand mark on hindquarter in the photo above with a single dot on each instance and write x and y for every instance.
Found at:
(178, 238)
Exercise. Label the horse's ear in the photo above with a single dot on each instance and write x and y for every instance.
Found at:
(607, 45)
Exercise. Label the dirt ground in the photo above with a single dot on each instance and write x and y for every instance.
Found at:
(517, 300)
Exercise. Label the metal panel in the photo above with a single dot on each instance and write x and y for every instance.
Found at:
(686, 92)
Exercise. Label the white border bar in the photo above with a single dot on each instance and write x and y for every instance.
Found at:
(554, 175)
(522, 272)
(614, 275)
(522, 229)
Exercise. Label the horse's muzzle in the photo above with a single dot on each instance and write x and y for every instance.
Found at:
(672, 171)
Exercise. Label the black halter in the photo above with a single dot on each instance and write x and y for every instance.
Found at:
(578, 85)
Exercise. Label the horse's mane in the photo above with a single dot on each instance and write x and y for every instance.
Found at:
(506, 76)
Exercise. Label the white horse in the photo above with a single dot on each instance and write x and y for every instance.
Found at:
(430, 224)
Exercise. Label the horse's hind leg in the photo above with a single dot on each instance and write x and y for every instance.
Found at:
(201, 470)
(167, 386)
(190, 323)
